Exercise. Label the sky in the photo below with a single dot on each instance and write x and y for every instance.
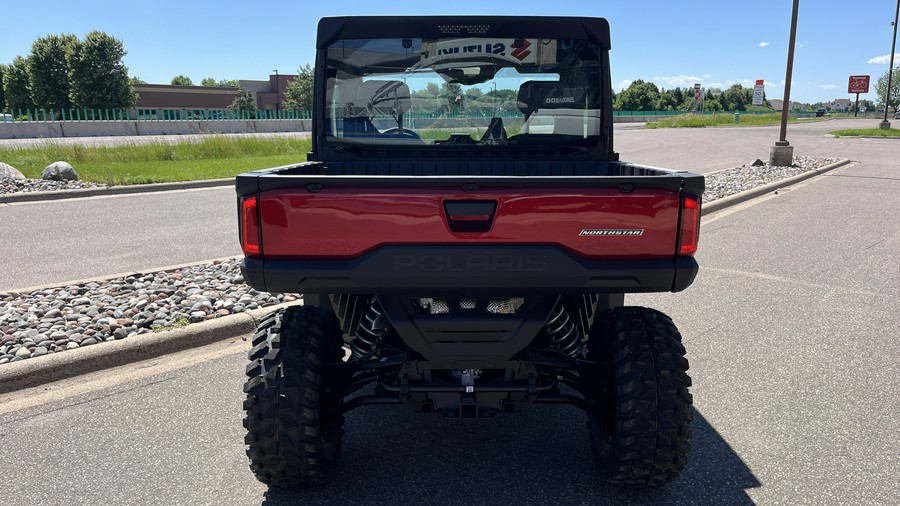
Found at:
(715, 44)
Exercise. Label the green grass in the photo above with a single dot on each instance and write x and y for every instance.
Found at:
(866, 132)
(724, 119)
(212, 158)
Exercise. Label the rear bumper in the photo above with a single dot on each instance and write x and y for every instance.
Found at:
(404, 269)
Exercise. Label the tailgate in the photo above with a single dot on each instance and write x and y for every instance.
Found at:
(343, 222)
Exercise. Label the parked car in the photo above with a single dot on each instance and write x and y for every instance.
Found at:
(6, 118)
(821, 112)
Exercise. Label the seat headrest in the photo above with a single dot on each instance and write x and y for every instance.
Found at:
(534, 95)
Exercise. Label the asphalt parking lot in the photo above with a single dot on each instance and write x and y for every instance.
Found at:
(790, 329)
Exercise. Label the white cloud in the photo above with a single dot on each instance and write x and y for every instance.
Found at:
(706, 76)
(884, 60)
(625, 84)
(828, 86)
(763, 44)
(680, 80)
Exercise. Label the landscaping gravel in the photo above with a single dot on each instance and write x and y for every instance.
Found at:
(47, 321)
(753, 175)
(39, 185)
(52, 320)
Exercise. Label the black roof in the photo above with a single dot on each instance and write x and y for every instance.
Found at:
(437, 27)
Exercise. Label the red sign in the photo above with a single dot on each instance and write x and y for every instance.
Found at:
(858, 84)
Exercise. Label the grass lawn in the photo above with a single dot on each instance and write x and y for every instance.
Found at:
(724, 119)
(866, 132)
(212, 158)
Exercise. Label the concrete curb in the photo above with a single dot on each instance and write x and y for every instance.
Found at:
(31, 373)
(718, 205)
(830, 136)
(108, 277)
(113, 190)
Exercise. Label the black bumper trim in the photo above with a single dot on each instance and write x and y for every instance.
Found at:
(404, 269)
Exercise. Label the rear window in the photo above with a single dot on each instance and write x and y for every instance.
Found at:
(471, 92)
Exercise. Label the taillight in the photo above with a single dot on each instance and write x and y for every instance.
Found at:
(689, 232)
(250, 226)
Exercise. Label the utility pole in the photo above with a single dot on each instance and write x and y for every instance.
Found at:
(277, 92)
(885, 124)
(782, 153)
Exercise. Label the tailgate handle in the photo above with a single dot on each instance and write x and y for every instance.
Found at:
(470, 215)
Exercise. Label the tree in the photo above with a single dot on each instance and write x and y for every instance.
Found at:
(15, 85)
(244, 101)
(181, 80)
(639, 96)
(452, 93)
(298, 94)
(48, 72)
(97, 77)
(881, 87)
(735, 98)
(666, 101)
(209, 81)
(136, 80)
(474, 93)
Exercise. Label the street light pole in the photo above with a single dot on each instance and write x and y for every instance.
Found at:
(277, 91)
(782, 153)
(886, 125)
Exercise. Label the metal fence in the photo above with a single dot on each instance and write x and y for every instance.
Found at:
(44, 115)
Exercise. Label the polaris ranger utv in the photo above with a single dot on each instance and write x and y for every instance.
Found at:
(464, 233)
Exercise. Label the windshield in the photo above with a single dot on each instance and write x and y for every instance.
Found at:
(455, 92)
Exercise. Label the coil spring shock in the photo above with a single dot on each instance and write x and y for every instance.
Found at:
(563, 333)
(371, 331)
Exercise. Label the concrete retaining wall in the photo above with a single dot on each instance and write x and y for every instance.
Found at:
(55, 129)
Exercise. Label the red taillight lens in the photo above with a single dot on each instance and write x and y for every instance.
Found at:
(250, 227)
(689, 232)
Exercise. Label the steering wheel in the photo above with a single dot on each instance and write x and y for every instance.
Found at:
(409, 134)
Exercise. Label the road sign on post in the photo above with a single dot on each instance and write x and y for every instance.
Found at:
(858, 84)
(759, 92)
